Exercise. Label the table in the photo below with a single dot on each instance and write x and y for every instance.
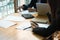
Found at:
(12, 33)
(18, 35)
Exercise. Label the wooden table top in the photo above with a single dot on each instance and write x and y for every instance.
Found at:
(11, 33)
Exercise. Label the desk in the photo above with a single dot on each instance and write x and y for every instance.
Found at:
(12, 33)
(18, 35)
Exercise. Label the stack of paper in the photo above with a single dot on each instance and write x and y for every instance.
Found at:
(6, 24)
(24, 25)
(27, 12)
(43, 25)
(14, 18)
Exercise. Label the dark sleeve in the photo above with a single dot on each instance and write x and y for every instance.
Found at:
(25, 7)
(32, 3)
(58, 14)
(40, 31)
(43, 1)
(53, 6)
(49, 17)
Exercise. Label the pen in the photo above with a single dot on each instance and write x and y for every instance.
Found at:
(34, 24)
(26, 28)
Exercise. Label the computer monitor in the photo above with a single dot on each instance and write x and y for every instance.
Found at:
(42, 8)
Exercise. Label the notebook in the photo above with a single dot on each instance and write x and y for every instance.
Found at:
(6, 23)
(27, 16)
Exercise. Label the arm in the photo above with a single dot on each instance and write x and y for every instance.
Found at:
(24, 7)
(32, 4)
(38, 30)
(43, 1)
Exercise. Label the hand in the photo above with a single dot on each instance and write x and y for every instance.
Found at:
(34, 24)
(31, 10)
(19, 8)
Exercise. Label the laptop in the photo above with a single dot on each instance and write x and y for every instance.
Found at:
(42, 8)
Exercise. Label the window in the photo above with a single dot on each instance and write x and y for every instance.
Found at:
(21, 2)
(6, 7)
(27, 1)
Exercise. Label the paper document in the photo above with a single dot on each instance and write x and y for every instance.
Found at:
(24, 25)
(14, 18)
(43, 25)
(6, 24)
(27, 12)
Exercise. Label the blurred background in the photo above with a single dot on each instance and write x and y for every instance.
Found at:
(7, 6)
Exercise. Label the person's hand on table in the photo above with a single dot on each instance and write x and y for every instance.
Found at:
(19, 8)
(34, 24)
(31, 10)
